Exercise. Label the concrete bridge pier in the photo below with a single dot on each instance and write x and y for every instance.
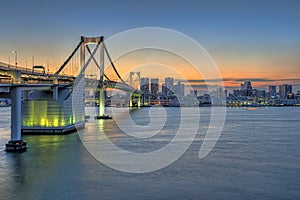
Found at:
(16, 144)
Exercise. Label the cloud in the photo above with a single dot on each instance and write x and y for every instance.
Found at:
(266, 80)
(205, 81)
(239, 80)
(233, 83)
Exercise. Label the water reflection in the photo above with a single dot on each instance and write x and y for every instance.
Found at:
(257, 157)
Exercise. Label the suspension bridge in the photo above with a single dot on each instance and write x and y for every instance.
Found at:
(54, 103)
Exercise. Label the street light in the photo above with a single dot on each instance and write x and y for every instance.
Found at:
(9, 61)
(16, 58)
(32, 58)
(48, 66)
(26, 66)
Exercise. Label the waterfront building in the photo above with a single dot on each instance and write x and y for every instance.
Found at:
(193, 93)
(145, 91)
(236, 93)
(145, 85)
(163, 90)
(169, 84)
(246, 89)
(272, 90)
(178, 89)
(154, 86)
(259, 93)
(285, 90)
(297, 96)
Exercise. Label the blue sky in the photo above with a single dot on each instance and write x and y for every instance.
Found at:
(259, 36)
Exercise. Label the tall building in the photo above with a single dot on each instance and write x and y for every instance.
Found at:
(285, 90)
(178, 89)
(246, 89)
(193, 93)
(154, 86)
(288, 89)
(272, 90)
(145, 85)
(163, 89)
(169, 83)
(145, 91)
(297, 96)
(236, 93)
(281, 92)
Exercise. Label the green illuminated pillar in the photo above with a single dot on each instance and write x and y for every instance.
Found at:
(101, 112)
(101, 103)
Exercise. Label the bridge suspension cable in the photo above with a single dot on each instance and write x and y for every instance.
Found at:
(68, 59)
(81, 73)
(92, 56)
(112, 64)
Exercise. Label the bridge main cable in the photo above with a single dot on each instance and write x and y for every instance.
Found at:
(68, 59)
(112, 64)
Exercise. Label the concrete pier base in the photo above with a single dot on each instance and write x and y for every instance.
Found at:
(16, 144)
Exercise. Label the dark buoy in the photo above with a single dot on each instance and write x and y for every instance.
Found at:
(16, 146)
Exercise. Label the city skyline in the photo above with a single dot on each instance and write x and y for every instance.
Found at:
(166, 84)
(255, 41)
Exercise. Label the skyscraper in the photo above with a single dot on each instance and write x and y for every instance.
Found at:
(285, 90)
(246, 89)
(272, 90)
(169, 83)
(179, 89)
(163, 89)
(145, 91)
(154, 86)
(145, 85)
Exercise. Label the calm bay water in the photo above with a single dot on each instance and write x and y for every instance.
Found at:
(256, 157)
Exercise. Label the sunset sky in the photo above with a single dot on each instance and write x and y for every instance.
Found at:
(248, 40)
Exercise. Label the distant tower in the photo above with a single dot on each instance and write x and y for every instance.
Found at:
(272, 90)
(154, 86)
(145, 85)
(246, 89)
(145, 90)
(285, 90)
(169, 83)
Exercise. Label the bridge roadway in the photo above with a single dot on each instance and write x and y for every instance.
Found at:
(17, 82)
(28, 76)
(55, 93)
(8, 73)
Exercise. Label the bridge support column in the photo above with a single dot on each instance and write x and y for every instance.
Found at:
(55, 93)
(101, 112)
(130, 100)
(139, 101)
(16, 144)
(131, 96)
(139, 87)
(101, 103)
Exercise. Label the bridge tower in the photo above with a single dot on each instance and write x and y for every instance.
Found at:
(134, 94)
(99, 41)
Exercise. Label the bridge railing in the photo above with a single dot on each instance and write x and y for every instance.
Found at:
(6, 66)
